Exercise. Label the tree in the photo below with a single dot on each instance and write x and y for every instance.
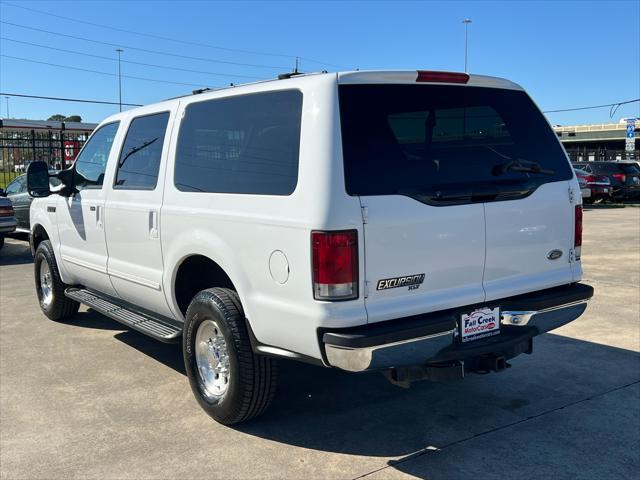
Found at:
(58, 117)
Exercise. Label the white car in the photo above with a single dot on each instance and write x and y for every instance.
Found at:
(422, 224)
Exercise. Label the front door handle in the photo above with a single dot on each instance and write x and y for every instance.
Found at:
(98, 210)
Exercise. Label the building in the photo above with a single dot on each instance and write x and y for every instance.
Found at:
(597, 142)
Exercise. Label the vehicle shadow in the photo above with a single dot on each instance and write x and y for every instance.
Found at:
(16, 251)
(334, 411)
(167, 354)
(363, 414)
(327, 410)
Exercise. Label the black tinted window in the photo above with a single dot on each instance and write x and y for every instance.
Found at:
(92, 160)
(400, 138)
(244, 144)
(613, 167)
(141, 152)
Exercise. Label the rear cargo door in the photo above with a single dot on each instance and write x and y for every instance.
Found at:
(529, 242)
(421, 258)
(445, 176)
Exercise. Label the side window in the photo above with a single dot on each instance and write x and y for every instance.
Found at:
(245, 144)
(141, 153)
(92, 161)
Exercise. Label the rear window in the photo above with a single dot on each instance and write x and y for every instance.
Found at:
(244, 144)
(399, 139)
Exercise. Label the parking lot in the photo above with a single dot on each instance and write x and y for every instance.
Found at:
(91, 399)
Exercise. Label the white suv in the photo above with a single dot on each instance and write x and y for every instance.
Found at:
(422, 224)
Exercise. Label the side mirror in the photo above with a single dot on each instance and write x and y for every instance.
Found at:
(2, 192)
(38, 179)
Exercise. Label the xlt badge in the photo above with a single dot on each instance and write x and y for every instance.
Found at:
(411, 281)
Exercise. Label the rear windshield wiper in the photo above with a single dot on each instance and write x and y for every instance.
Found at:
(519, 165)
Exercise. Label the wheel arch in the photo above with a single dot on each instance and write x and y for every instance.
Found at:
(194, 273)
(38, 234)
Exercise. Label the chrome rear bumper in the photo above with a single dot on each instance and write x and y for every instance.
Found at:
(517, 325)
(406, 352)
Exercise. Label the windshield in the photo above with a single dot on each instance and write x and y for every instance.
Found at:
(400, 138)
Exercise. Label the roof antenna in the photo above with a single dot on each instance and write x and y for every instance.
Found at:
(295, 70)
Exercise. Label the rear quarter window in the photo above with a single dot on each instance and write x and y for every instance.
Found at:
(244, 144)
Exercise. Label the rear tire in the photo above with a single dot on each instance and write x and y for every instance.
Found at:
(50, 287)
(230, 382)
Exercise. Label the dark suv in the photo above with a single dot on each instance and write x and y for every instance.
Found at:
(624, 177)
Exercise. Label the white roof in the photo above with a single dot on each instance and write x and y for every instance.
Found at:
(349, 77)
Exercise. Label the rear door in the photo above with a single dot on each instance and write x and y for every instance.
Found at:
(133, 213)
(436, 168)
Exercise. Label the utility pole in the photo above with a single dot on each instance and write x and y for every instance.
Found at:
(466, 22)
(119, 50)
(7, 100)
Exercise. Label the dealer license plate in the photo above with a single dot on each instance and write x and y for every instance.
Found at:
(481, 323)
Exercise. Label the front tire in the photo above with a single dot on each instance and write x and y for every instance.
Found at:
(230, 382)
(50, 287)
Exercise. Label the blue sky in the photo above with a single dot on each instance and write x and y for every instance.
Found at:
(566, 54)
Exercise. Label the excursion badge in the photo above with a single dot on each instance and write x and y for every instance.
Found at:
(411, 281)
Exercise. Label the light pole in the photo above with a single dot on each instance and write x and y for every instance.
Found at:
(466, 22)
(7, 100)
(119, 50)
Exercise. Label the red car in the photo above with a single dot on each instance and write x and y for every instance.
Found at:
(595, 188)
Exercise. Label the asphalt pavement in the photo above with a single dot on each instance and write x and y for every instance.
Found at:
(89, 398)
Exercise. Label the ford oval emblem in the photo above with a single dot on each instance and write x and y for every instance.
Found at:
(554, 254)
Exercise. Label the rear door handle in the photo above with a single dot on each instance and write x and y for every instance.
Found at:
(153, 224)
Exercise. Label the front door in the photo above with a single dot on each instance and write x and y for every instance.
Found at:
(80, 217)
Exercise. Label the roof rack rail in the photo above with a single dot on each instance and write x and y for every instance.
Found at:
(284, 76)
(197, 91)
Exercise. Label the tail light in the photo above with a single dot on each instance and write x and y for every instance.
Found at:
(6, 211)
(335, 265)
(577, 236)
(620, 177)
(590, 179)
(442, 77)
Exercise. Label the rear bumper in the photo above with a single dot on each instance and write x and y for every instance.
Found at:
(432, 338)
(7, 225)
(602, 191)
